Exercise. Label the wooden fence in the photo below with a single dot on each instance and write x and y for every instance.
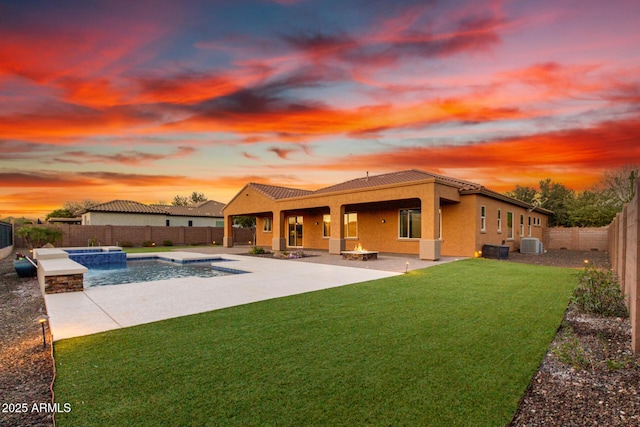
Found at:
(623, 249)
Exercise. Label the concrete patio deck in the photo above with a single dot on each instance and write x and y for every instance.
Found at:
(105, 308)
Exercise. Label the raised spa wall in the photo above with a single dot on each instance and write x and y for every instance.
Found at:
(58, 273)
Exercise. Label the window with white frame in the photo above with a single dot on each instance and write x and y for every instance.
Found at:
(266, 225)
(350, 225)
(510, 225)
(499, 220)
(410, 224)
(521, 225)
(483, 218)
(529, 225)
(326, 225)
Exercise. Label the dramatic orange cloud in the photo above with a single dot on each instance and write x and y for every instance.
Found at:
(147, 99)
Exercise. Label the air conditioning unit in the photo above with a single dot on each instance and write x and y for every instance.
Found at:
(530, 245)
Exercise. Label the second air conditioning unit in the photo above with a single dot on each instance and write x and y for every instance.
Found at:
(530, 245)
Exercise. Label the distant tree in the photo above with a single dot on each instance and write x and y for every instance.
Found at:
(191, 200)
(551, 195)
(590, 208)
(60, 213)
(246, 222)
(198, 197)
(619, 185)
(180, 201)
(557, 198)
(77, 206)
(526, 193)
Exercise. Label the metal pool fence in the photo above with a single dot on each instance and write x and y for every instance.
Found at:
(6, 235)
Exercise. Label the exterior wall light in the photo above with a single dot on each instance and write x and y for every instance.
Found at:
(384, 220)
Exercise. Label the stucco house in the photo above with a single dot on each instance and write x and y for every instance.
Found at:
(127, 212)
(408, 212)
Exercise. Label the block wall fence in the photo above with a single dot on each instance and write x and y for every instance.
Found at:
(82, 235)
(623, 250)
(577, 239)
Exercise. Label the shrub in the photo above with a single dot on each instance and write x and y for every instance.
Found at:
(570, 352)
(126, 244)
(148, 243)
(257, 250)
(599, 292)
(37, 237)
(167, 243)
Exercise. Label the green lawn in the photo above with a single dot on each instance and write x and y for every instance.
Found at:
(452, 345)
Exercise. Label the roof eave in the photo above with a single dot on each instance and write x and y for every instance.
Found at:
(507, 199)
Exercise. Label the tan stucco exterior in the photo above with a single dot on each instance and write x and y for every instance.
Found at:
(449, 220)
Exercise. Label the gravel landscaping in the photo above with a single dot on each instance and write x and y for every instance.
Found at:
(588, 377)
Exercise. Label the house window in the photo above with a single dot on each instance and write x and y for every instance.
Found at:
(190, 223)
(167, 222)
(350, 225)
(483, 218)
(266, 225)
(521, 225)
(410, 224)
(510, 225)
(326, 225)
(220, 223)
(499, 220)
(529, 225)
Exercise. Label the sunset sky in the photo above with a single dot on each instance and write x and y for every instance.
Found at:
(144, 100)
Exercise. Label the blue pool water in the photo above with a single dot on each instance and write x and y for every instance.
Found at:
(147, 271)
(98, 258)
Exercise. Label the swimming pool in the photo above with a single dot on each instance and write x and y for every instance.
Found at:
(147, 271)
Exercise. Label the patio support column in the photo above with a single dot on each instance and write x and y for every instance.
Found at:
(278, 241)
(430, 223)
(336, 240)
(227, 239)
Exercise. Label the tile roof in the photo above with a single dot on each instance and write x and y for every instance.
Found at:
(397, 178)
(275, 192)
(125, 206)
(210, 208)
(412, 175)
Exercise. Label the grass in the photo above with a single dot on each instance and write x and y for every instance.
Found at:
(452, 345)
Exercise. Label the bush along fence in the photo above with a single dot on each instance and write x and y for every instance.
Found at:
(122, 235)
(6, 239)
(624, 247)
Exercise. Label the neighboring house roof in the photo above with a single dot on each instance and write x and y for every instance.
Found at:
(125, 206)
(209, 208)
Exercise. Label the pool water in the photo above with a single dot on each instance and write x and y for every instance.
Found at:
(147, 271)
